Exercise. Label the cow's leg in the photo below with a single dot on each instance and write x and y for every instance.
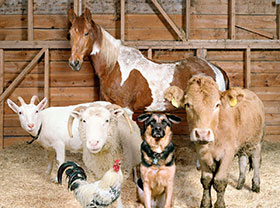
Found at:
(242, 170)
(256, 161)
(220, 188)
(206, 181)
(220, 179)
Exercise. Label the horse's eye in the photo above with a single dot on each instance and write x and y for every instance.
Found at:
(86, 34)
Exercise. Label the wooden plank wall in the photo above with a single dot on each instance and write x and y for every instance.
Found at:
(68, 87)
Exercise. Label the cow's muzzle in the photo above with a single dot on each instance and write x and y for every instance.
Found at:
(201, 135)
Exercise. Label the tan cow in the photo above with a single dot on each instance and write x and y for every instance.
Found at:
(222, 125)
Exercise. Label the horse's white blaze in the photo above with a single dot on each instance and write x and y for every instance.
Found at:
(219, 76)
(158, 76)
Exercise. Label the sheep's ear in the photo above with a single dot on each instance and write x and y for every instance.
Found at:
(42, 104)
(76, 114)
(144, 117)
(173, 118)
(13, 106)
(71, 15)
(174, 95)
(117, 112)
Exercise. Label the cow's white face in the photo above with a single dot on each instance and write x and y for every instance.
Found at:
(202, 104)
(96, 124)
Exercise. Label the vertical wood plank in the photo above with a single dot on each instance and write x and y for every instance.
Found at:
(247, 76)
(76, 7)
(231, 19)
(47, 75)
(2, 102)
(188, 5)
(30, 20)
(150, 53)
(80, 9)
(201, 53)
(122, 20)
(278, 20)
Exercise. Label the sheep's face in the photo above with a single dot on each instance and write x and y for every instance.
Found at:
(95, 122)
(28, 114)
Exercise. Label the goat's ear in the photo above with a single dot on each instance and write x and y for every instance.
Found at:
(42, 104)
(117, 112)
(144, 117)
(13, 106)
(87, 15)
(71, 15)
(175, 95)
(173, 118)
(76, 114)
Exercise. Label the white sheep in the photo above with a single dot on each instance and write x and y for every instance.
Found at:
(49, 127)
(106, 136)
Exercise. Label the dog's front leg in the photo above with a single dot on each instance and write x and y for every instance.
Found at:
(147, 195)
(169, 187)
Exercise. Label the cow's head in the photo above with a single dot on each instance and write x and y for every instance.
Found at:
(203, 101)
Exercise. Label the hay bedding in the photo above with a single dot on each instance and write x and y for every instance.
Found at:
(24, 183)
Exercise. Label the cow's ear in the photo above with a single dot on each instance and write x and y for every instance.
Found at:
(175, 95)
(143, 117)
(71, 15)
(234, 96)
(173, 118)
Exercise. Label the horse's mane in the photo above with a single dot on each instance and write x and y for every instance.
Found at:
(110, 49)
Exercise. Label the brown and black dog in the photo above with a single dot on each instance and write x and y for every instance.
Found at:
(155, 188)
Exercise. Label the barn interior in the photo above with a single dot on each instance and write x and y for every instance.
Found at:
(241, 37)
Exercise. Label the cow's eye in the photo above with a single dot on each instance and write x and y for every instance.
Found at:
(188, 105)
(86, 34)
(218, 105)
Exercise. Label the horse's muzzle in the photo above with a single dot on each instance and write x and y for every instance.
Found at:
(75, 65)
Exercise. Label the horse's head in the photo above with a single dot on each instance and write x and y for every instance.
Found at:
(85, 38)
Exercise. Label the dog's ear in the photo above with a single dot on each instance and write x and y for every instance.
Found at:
(173, 118)
(143, 117)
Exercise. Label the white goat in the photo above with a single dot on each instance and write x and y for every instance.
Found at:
(106, 136)
(49, 127)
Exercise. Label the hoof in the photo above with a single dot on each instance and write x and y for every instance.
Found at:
(240, 184)
(220, 204)
(255, 187)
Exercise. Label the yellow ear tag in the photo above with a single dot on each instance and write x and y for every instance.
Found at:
(174, 103)
(233, 102)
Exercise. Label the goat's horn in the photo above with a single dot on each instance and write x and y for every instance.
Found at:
(114, 107)
(71, 119)
(33, 99)
(21, 100)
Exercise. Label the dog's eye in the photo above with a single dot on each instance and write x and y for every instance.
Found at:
(164, 122)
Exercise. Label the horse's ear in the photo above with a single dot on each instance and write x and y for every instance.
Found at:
(71, 15)
(87, 15)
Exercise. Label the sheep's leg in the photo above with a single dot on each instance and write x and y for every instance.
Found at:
(256, 161)
(51, 156)
(206, 181)
(242, 171)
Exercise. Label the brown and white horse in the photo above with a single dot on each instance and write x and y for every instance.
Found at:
(127, 78)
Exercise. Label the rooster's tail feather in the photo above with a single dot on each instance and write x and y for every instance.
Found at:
(74, 173)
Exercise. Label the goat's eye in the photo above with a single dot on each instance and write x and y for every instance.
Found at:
(20, 113)
(37, 111)
(86, 34)
(84, 121)
(107, 121)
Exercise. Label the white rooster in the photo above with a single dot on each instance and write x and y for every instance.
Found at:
(98, 194)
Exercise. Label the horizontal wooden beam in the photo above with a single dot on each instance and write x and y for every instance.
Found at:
(191, 44)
